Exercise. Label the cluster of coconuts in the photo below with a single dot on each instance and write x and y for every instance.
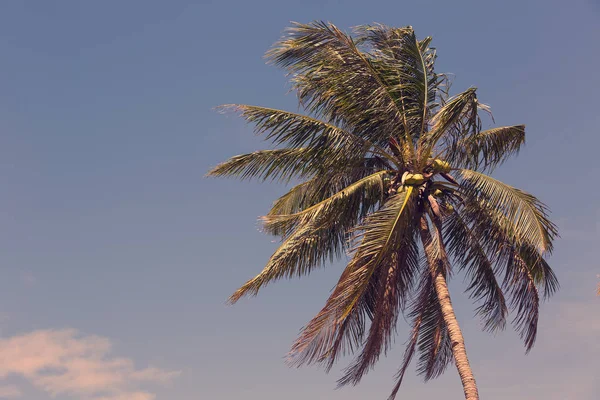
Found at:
(436, 165)
(412, 179)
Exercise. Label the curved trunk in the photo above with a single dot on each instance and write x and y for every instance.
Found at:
(458, 343)
(438, 262)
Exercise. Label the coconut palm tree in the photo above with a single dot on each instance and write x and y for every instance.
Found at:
(392, 172)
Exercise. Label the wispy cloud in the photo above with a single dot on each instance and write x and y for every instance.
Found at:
(66, 362)
(9, 392)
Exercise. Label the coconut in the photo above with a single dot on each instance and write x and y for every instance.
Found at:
(437, 192)
(449, 208)
(418, 179)
(440, 165)
(412, 179)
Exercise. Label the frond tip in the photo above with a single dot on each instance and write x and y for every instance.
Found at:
(316, 234)
(526, 217)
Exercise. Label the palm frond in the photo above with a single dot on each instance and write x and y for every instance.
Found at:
(525, 270)
(296, 130)
(324, 185)
(389, 300)
(305, 249)
(345, 207)
(429, 336)
(316, 234)
(527, 216)
(434, 343)
(407, 66)
(336, 80)
(540, 270)
(465, 247)
(409, 352)
(304, 195)
(496, 236)
(278, 164)
(456, 118)
(487, 149)
(525, 299)
(380, 236)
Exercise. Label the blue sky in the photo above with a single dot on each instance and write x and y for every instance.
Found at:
(117, 256)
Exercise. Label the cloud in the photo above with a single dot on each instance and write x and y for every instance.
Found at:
(65, 362)
(9, 392)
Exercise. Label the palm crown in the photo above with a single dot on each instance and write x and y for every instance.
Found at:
(393, 173)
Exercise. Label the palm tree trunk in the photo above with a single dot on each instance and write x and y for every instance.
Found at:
(458, 343)
(438, 264)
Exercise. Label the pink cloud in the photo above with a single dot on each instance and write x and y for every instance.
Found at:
(9, 392)
(129, 396)
(65, 362)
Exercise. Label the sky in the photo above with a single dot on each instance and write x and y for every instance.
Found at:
(117, 256)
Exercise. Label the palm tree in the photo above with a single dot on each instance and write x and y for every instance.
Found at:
(392, 172)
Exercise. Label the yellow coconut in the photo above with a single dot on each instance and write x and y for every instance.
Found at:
(418, 179)
(440, 165)
(412, 179)
(449, 208)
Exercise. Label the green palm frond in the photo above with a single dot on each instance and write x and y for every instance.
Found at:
(278, 164)
(303, 195)
(322, 186)
(336, 80)
(525, 270)
(406, 65)
(527, 216)
(381, 235)
(346, 206)
(486, 149)
(305, 249)
(496, 235)
(316, 234)
(296, 130)
(457, 118)
(378, 237)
